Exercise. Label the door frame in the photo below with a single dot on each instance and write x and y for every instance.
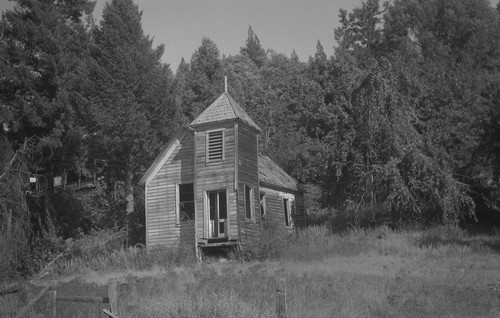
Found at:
(208, 229)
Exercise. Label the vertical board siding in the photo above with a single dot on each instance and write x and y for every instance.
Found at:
(187, 163)
(299, 212)
(161, 197)
(215, 176)
(274, 205)
(248, 174)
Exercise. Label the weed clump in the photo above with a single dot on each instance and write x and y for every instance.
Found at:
(271, 245)
(312, 243)
(104, 250)
(442, 235)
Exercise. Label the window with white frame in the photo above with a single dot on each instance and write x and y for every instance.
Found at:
(263, 207)
(287, 211)
(185, 199)
(249, 205)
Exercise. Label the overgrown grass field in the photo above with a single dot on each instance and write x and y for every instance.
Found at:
(442, 272)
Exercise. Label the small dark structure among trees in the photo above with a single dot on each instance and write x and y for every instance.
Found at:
(210, 187)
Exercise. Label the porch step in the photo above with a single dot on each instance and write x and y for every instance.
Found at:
(220, 241)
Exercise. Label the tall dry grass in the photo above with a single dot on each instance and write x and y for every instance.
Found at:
(440, 272)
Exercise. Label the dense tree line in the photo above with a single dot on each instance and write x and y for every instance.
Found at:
(401, 124)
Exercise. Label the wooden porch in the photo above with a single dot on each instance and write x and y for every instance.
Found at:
(217, 242)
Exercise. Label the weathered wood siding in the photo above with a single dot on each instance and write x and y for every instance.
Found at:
(248, 174)
(161, 218)
(274, 207)
(299, 214)
(215, 176)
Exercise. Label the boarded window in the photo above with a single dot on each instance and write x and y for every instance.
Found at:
(186, 202)
(248, 202)
(215, 148)
(286, 210)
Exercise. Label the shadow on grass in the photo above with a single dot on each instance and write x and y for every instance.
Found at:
(494, 245)
(453, 235)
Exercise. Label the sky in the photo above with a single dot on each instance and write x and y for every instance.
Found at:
(281, 25)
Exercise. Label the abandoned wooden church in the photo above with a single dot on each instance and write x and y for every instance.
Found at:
(210, 186)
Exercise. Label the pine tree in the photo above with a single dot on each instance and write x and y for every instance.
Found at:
(133, 99)
(244, 84)
(203, 82)
(43, 54)
(456, 57)
(411, 83)
(253, 49)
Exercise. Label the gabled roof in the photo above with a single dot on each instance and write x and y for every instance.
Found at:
(271, 174)
(165, 154)
(224, 108)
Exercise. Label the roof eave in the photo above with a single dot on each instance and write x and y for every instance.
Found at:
(161, 157)
(279, 188)
(254, 128)
(213, 123)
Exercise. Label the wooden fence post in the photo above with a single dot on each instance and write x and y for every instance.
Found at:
(113, 294)
(11, 290)
(32, 302)
(280, 297)
(53, 303)
(132, 289)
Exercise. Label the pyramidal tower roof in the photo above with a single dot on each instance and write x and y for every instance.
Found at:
(224, 108)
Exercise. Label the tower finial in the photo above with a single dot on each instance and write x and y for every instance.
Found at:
(225, 84)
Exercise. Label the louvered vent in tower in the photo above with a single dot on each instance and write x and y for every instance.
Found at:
(215, 149)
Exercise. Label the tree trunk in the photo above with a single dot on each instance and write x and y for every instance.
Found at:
(47, 205)
(9, 222)
(129, 198)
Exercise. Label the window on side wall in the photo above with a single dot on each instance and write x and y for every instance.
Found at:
(185, 199)
(249, 203)
(215, 145)
(287, 211)
(263, 207)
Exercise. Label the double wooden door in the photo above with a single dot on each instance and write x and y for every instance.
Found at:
(217, 205)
